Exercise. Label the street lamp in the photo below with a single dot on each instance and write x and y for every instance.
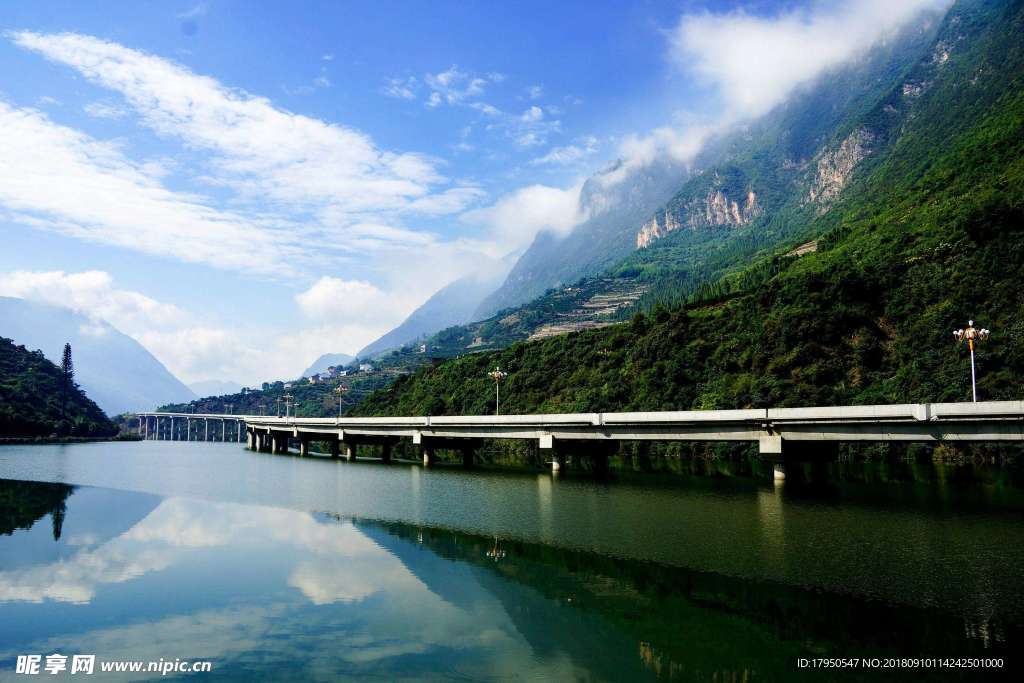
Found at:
(972, 336)
(340, 391)
(287, 403)
(278, 402)
(497, 375)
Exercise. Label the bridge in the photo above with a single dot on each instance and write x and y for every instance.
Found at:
(191, 426)
(597, 434)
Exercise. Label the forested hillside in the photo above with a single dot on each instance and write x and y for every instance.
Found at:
(927, 235)
(30, 399)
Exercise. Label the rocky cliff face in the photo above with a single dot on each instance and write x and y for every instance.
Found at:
(835, 167)
(715, 209)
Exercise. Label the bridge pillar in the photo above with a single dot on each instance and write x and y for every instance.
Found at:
(303, 445)
(248, 439)
(276, 445)
(350, 452)
(238, 429)
(429, 457)
(770, 448)
(385, 452)
(468, 450)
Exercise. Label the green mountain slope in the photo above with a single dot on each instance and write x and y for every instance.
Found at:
(30, 398)
(927, 235)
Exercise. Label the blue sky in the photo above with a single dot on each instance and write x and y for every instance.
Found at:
(242, 187)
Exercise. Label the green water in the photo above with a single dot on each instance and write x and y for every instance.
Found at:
(281, 568)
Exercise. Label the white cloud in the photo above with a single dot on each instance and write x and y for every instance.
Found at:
(535, 92)
(105, 110)
(484, 108)
(404, 89)
(518, 216)
(332, 298)
(532, 115)
(91, 293)
(194, 13)
(569, 154)
(454, 85)
(105, 197)
(755, 62)
(260, 150)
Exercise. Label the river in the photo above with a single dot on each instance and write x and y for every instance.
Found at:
(276, 567)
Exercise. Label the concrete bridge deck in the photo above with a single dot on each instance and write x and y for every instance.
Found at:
(769, 427)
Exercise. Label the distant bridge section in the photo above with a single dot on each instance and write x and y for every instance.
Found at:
(191, 426)
(592, 433)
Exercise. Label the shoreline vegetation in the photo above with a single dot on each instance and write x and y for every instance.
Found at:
(55, 439)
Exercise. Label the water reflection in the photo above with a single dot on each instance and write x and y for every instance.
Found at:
(277, 593)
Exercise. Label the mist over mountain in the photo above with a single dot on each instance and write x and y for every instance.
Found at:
(454, 304)
(115, 371)
(749, 182)
(613, 207)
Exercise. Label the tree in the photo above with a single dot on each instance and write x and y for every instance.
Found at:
(67, 376)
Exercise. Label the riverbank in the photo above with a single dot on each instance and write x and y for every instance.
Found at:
(53, 439)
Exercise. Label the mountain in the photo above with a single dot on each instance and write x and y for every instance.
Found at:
(750, 190)
(215, 387)
(30, 398)
(114, 369)
(325, 361)
(454, 304)
(856, 303)
(746, 190)
(615, 200)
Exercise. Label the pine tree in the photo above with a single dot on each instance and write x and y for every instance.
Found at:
(67, 369)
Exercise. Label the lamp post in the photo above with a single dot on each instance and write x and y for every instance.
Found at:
(340, 391)
(972, 336)
(287, 403)
(497, 375)
(278, 402)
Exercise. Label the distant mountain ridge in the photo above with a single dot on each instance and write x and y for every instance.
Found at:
(454, 304)
(325, 361)
(114, 370)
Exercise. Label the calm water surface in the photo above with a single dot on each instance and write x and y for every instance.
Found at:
(275, 567)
